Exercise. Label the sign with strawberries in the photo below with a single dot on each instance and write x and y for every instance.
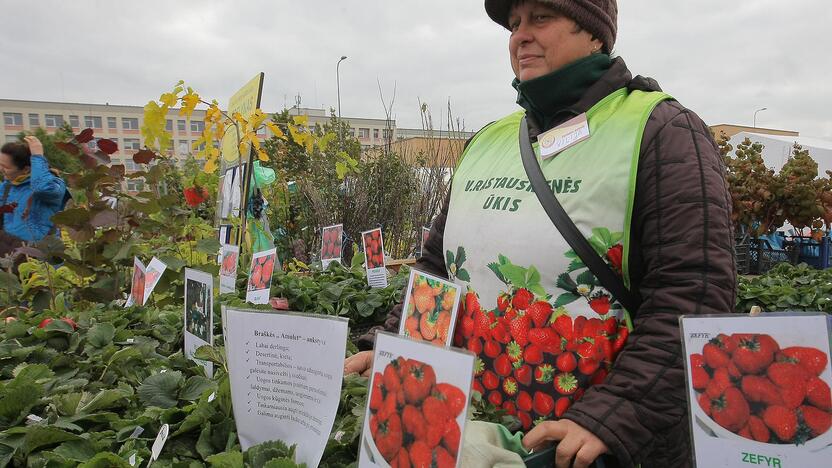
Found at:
(430, 308)
(417, 406)
(374, 258)
(758, 388)
(331, 244)
(229, 259)
(144, 280)
(260, 276)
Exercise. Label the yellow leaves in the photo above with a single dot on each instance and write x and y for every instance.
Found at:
(153, 126)
(256, 119)
(301, 120)
(189, 103)
(169, 99)
(261, 155)
(275, 129)
(210, 165)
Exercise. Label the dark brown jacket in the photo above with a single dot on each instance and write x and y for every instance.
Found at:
(682, 262)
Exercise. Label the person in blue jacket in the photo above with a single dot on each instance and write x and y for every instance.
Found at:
(30, 193)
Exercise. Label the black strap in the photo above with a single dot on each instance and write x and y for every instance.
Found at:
(602, 271)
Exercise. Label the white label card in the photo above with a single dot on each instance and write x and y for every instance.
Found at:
(159, 443)
(374, 261)
(229, 260)
(286, 372)
(752, 387)
(569, 133)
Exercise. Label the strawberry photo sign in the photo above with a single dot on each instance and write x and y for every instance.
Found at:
(374, 254)
(260, 276)
(758, 388)
(430, 309)
(418, 404)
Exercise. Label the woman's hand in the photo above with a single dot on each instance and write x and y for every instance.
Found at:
(574, 442)
(360, 363)
(35, 146)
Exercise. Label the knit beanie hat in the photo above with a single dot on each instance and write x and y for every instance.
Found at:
(598, 17)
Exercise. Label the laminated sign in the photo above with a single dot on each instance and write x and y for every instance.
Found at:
(758, 389)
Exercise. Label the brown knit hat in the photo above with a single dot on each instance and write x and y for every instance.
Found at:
(598, 17)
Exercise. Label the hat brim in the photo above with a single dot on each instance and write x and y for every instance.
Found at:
(498, 11)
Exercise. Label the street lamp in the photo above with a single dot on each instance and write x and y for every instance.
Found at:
(338, 82)
(755, 115)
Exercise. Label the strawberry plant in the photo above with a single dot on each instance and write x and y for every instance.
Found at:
(787, 287)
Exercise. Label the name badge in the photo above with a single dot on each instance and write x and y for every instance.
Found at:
(565, 135)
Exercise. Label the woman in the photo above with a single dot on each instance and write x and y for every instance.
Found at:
(647, 190)
(30, 193)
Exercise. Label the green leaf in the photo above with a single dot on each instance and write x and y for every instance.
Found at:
(101, 334)
(603, 234)
(161, 389)
(575, 265)
(173, 263)
(496, 269)
(566, 298)
(226, 460)
(586, 277)
(106, 460)
(463, 275)
(598, 245)
(208, 246)
(214, 354)
(105, 399)
(532, 276)
(449, 258)
(341, 170)
(515, 275)
(195, 386)
(460, 256)
(566, 282)
(258, 455)
(358, 258)
(42, 436)
(283, 463)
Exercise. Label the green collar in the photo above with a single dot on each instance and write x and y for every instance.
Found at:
(546, 96)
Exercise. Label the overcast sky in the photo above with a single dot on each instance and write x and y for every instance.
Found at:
(723, 59)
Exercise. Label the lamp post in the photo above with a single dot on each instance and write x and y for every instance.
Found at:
(338, 82)
(755, 115)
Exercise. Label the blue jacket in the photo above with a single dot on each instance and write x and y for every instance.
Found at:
(48, 195)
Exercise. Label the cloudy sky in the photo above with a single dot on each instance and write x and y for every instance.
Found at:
(723, 59)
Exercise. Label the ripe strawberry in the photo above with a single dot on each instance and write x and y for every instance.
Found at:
(418, 381)
(523, 374)
(544, 373)
(566, 362)
(482, 325)
(421, 454)
(601, 304)
(388, 435)
(727, 343)
(524, 401)
(510, 386)
(588, 366)
(782, 421)
(761, 390)
(467, 326)
(793, 395)
(490, 380)
(597, 378)
(509, 407)
(390, 405)
(522, 298)
(525, 420)
(450, 439)
(621, 338)
(402, 459)
(578, 326)
(730, 410)
(413, 422)
(543, 403)
(502, 366)
(495, 398)
(818, 421)
(434, 410)
(519, 329)
(503, 301)
(817, 392)
(811, 359)
(392, 381)
(602, 343)
(500, 333)
(752, 354)
(453, 397)
(704, 403)
(699, 378)
(472, 303)
(759, 430)
(697, 360)
(610, 326)
(492, 349)
(745, 432)
(539, 313)
(561, 405)
(733, 371)
(377, 394)
(533, 354)
(514, 352)
(715, 357)
(475, 346)
(784, 374)
(566, 383)
(720, 381)
(546, 338)
(477, 387)
(563, 325)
